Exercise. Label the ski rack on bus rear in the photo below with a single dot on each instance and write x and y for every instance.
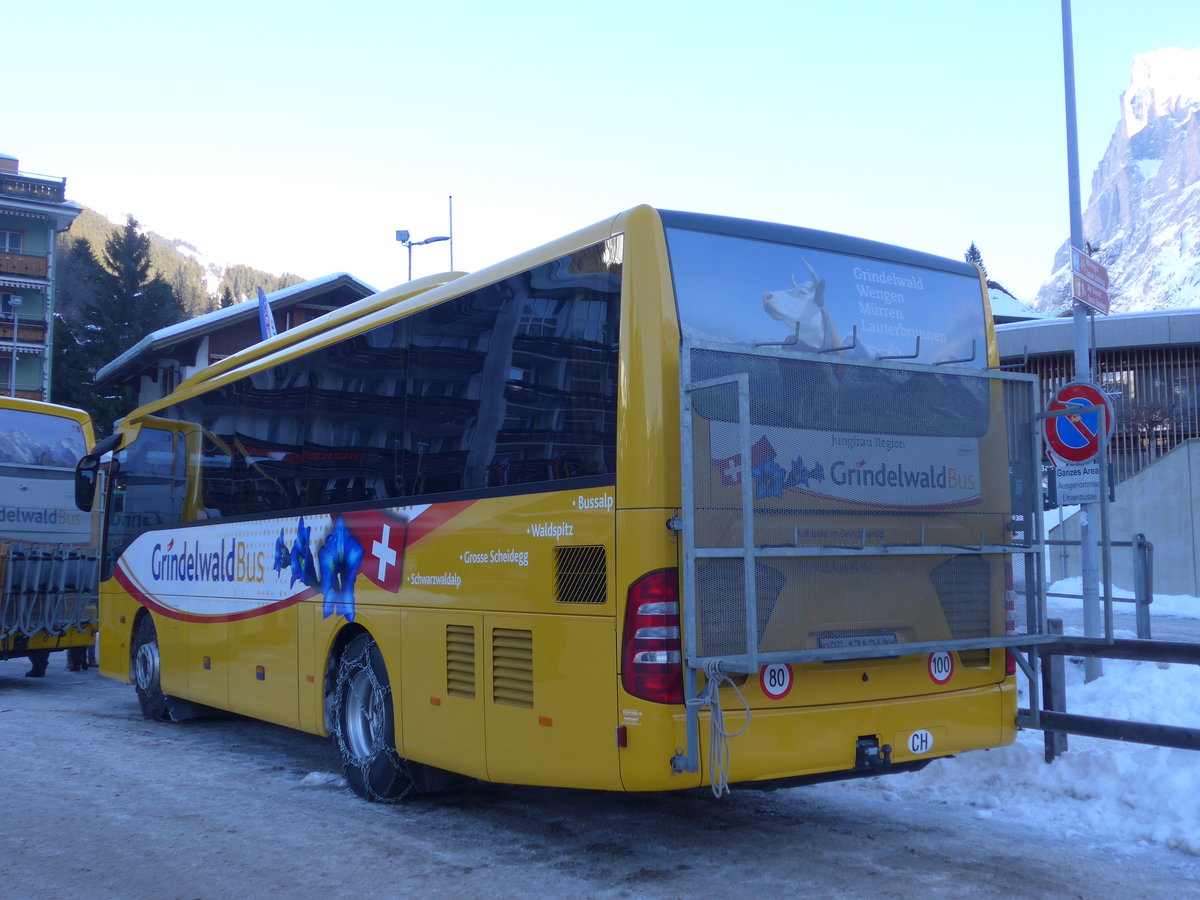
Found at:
(740, 534)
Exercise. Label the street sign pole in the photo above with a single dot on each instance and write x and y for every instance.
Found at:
(1087, 514)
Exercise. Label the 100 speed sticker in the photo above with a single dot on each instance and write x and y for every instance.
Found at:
(941, 667)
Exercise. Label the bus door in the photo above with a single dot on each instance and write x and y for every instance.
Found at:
(152, 490)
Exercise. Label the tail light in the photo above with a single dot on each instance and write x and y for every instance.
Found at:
(1010, 615)
(651, 651)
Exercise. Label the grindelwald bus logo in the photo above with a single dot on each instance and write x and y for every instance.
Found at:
(864, 468)
(229, 560)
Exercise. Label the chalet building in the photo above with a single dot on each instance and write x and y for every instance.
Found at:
(33, 209)
(157, 363)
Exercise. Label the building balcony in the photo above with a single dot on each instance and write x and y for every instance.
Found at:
(25, 264)
(33, 187)
(29, 332)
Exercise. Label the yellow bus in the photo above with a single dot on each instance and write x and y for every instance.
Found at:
(676, 500)
(48, 562)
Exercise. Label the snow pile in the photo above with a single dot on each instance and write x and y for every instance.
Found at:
(323, 779)
(1100, 791)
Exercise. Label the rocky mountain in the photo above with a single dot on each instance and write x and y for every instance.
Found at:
(1144, 213)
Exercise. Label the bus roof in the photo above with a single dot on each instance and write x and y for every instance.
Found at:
(810, 237)
(369, 312)
(365, 314)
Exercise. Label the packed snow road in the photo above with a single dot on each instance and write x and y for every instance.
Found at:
(98, 802)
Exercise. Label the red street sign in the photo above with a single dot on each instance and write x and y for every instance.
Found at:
(1084, 265)
(1075, 438)
(1089, 281)
(1089, 294)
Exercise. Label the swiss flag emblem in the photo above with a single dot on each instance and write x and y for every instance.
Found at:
(382, 538)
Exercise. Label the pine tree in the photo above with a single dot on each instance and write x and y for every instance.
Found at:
(226, 297)
(974, 256)
(126, 303)
(70, 376)
(132, 300)
(72, 370)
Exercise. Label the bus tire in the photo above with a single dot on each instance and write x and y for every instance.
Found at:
(146, 671)
(364, 724)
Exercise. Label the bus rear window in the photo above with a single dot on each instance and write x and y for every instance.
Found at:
(739, 290)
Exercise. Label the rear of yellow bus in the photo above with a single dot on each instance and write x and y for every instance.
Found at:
(863, 494)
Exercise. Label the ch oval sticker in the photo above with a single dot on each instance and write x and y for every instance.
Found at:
(941, 667)
(775, 680)
(920, 742)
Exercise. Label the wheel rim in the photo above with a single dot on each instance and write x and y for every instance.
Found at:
(145, 666)
(364, 715)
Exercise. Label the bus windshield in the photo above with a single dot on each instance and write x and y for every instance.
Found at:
(36, 439)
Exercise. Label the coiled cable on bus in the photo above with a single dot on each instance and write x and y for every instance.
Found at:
(718, 737)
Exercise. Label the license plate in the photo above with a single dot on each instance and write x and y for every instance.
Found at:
(833, 642)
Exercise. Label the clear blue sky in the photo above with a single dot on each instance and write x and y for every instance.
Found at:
(300, 136)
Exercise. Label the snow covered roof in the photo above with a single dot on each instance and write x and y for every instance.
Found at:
(157, 341)
(1159, 328)
(1007, 308)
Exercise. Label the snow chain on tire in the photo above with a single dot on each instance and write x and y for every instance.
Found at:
(363, 771)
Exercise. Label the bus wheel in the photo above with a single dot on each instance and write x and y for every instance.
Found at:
(146, 671)
(364, 725)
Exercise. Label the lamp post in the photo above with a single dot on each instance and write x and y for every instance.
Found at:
(403, 237)
(14, 303)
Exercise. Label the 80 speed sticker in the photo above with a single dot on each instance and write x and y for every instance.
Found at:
(776, 680)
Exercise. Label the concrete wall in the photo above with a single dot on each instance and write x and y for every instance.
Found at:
(1161, 502)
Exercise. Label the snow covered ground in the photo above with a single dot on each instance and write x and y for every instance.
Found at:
(1104, 789)
(98, 802)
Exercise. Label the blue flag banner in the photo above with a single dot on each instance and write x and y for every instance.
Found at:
(266, 320)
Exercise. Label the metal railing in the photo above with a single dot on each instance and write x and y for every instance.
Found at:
(33, 187)
(1052, 716)
(1143, 579)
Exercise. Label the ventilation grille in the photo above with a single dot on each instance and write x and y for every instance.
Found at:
(460, 661)
(512, 667)
(581, 575)
(963, 585)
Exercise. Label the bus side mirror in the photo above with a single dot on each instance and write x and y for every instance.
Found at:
(87, 469)
(85, 482)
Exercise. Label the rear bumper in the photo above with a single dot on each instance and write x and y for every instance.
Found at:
(801, 743)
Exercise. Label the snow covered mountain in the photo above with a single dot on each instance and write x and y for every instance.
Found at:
(1144, 211)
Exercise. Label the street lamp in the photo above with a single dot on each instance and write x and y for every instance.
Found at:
(14, 303)
(403, 237)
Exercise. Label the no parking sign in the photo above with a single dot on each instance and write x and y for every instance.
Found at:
(1075, 437)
